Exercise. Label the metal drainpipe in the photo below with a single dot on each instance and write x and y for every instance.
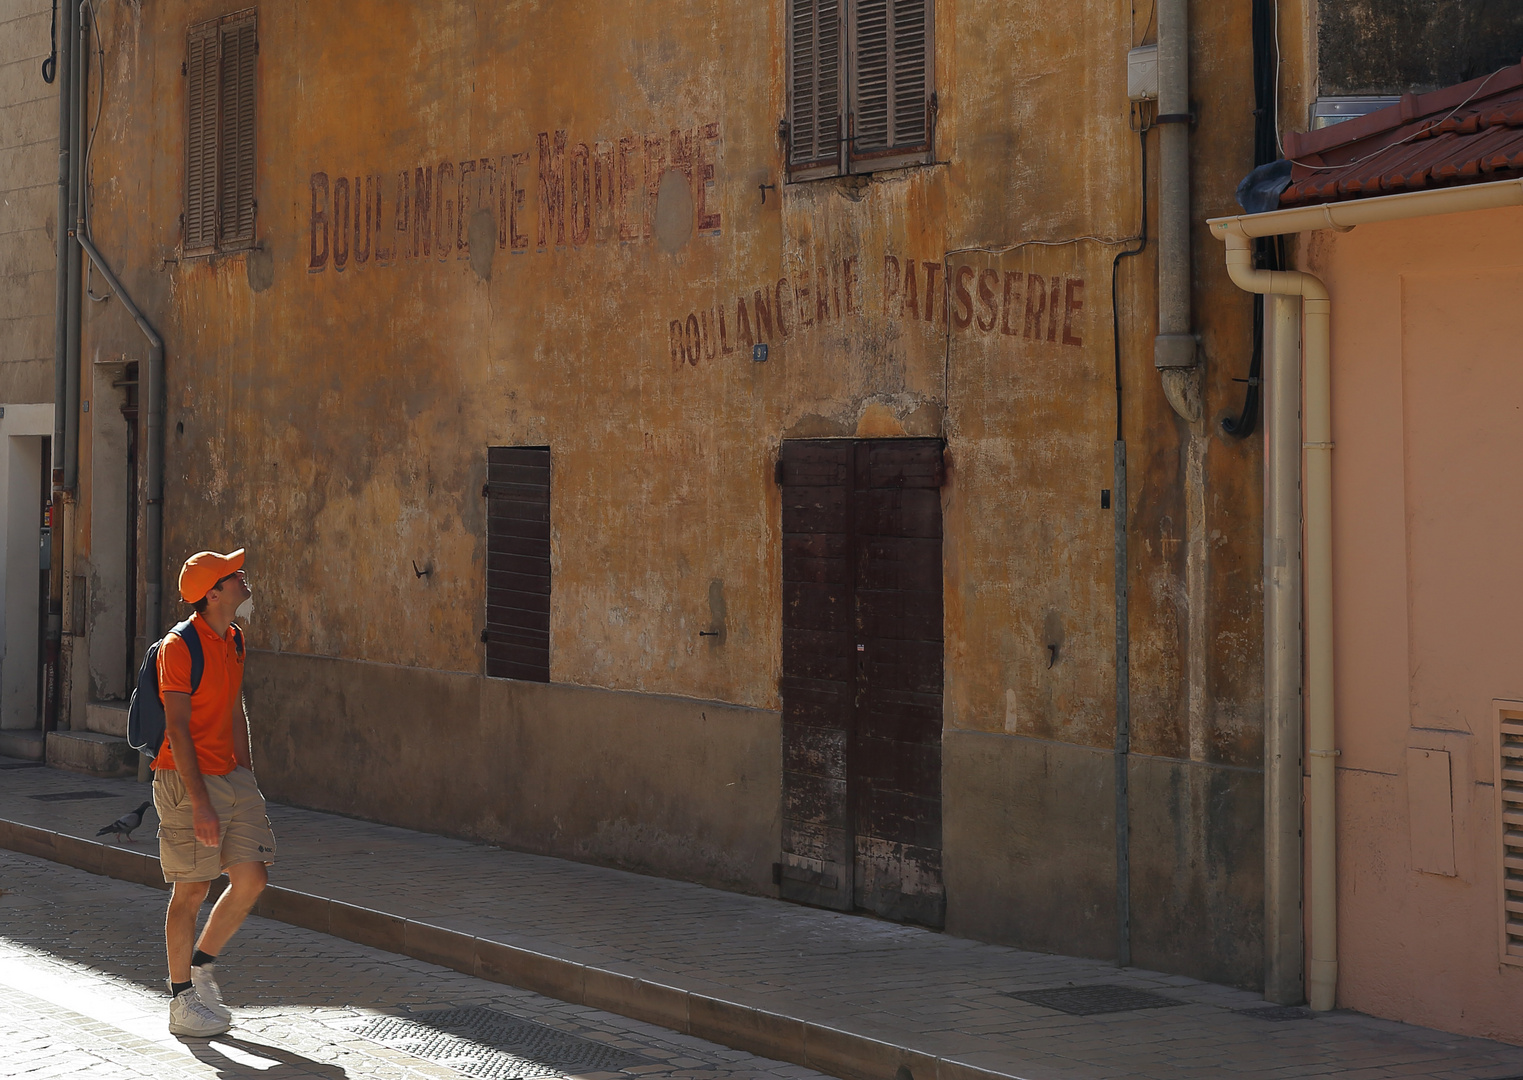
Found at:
(1174, 349)
(1284, 942)
(65, 179)
(65, 80)
(74, 297)
(1321, 839)
(64, 503)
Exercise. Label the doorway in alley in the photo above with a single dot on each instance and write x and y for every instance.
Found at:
(862, 676)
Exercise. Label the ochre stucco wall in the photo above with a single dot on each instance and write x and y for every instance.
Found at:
(332, 413)
(1427, 400)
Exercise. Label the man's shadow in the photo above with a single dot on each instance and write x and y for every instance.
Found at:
(288, 1067)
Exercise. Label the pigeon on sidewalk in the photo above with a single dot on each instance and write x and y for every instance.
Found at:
(124, 825)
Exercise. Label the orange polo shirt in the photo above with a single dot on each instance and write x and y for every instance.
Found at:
(214, 707)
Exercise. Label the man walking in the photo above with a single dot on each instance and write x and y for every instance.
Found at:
(211, 815)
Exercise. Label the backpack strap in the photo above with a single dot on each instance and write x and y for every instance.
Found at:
(187, 633)
(238, 639)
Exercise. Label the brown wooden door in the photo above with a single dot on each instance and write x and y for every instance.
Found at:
(862, 676)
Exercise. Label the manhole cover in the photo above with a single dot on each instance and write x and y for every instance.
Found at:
(1092, 1000)
(69, 796)
(1276, 1012)
(487, 1043)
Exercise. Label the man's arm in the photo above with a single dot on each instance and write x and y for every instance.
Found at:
(241, 735)
(177, 731)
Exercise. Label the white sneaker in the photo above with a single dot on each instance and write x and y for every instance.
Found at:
(188, 1015)
(204, 979)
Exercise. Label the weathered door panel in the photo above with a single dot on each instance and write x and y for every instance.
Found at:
(862, 676)
(895, 769)
(819, 673)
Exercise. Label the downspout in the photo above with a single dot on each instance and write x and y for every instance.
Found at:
(74, 299)
(65, 78)
(1174, 349)
(1321, 832)
(1284, 886)
(1239, 232)
(65, 502)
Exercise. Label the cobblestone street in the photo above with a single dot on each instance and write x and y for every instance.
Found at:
(82, 995)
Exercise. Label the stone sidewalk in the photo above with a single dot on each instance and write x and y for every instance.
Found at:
(849, 996)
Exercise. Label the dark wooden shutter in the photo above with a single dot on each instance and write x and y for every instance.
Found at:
(518, 563)
(235, 211)
(815, 88)
(890, 82)
(201, 92)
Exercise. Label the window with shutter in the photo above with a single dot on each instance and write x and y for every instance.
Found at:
(859, 79)
(1510, 825)
(220, 134)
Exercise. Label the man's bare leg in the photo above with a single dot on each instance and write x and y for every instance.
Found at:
(180, 926)
(245, 882)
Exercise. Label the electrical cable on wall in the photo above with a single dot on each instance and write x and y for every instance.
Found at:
(87, 195)
(50, 63)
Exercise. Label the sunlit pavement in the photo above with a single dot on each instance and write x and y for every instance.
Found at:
(82, 995)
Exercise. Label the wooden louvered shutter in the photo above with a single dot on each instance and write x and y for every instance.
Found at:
(815, 88)
(891, 68)
(235, 198)
(201, 95)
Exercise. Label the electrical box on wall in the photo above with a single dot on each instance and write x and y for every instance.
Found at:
(1142, 73)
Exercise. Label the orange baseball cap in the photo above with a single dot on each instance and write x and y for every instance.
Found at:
(203, 570)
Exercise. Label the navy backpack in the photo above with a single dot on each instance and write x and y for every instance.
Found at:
(145, 716)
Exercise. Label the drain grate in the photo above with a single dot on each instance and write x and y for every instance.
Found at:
(1276, 1013)
(1093, 1000)
(492, 1045)
(70, 796)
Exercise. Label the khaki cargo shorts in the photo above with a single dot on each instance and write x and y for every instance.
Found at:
(246, 835)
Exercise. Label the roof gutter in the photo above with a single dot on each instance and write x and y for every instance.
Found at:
(1346, 215)
(1238, 233)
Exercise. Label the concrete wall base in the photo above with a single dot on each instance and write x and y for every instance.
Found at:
(27, 745)
(661, 785)
(1031, 855)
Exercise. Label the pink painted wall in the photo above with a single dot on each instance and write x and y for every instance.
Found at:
(1427, 375)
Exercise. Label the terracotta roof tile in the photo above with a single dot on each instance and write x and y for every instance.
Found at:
(1470, 133)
